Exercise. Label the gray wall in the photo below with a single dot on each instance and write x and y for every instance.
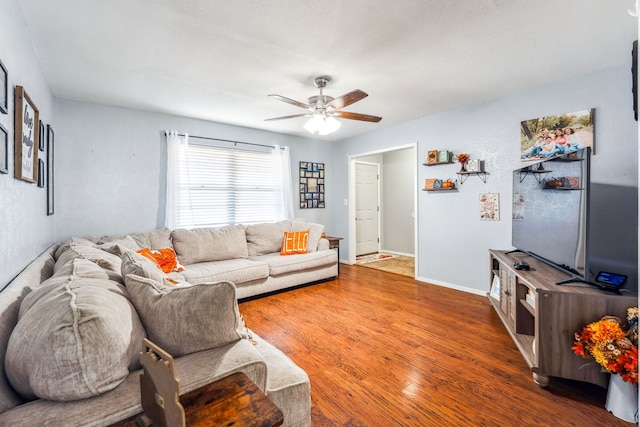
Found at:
(25, 228)
(452, 240)
(111, 166)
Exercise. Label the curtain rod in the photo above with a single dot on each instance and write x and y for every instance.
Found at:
(228, 140)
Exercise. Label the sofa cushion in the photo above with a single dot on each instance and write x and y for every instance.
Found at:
(315, 232)
(186, 318)
(156, 239)
(237, 271)
(210, 244)
(266, 238)
(82, 248)
(135, 263)
(76, 339)
(286, 383)
(295, 242)
(279, 265)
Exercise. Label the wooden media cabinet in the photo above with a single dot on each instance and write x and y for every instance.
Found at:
(542, 317)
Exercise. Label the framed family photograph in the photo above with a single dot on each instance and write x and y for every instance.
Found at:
(27, 132)
(552, 136)
(4, 89)
(4, 150)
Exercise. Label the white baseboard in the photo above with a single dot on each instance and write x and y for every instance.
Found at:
(452, 286)
(398, 253)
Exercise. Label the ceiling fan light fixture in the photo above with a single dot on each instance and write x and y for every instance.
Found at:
(321, 124)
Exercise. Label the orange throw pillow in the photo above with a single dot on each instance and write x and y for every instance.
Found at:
(165, 259)
(295, 242)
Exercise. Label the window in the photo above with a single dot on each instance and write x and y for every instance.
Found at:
(217, 185)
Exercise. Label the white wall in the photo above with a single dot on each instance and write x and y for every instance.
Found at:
(111, 166)
(25, 228)
(452, 240)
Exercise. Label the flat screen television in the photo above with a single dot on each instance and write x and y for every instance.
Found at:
(550, 218)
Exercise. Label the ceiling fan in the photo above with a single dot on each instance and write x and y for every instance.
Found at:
(324, 109)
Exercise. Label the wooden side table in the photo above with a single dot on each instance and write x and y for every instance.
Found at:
(334, 243)
(233, 400)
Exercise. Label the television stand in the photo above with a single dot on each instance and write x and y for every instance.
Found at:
(603, 288)
(542, 317)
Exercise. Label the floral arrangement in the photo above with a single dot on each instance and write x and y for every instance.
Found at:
(615, 349)
(462, 157)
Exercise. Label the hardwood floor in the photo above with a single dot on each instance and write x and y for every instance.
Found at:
(383, 349)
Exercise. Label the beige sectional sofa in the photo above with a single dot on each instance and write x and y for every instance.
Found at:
(71, 324)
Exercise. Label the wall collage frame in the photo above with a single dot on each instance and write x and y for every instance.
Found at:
(311, 185)
(30, 135)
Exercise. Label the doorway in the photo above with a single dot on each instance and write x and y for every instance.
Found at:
(396, 191)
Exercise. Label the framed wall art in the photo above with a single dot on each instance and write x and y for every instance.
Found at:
(41, 137)
(311, 185)
(490, 207)
(27, 132)
(50, 148)
(4, 89)
(40, 173)
(552, 136)
(4, 150)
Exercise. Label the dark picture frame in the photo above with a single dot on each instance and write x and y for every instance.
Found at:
(40, 173)
(573, 131)
(41, 136)
(4, 89)
(50, 150)
(27, 117)
(4, 150)
(311, 186)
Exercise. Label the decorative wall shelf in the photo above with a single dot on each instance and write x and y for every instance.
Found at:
(539, 174)
(440, 189)
(438, 163)
(465, 175)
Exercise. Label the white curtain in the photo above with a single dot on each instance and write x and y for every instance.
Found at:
(282, 154)
(177, 178)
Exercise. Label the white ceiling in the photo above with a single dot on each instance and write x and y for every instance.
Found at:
(218, 60)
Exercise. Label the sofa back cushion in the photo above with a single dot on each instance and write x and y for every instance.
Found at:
(266, 238)
(156, 239)
(315, 232)
(82, 248)
(186, 318)
(76, 337)
(210, 244)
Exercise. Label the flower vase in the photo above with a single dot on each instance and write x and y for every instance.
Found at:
(622, 399)
(463, 167)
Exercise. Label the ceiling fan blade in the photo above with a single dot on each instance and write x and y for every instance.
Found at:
(357, 116)
(347, 99)
(290, 101)
(287, 117)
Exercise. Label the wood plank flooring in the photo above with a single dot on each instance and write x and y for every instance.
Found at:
(383, 349)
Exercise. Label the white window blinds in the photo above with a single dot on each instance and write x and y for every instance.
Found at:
(222, 185)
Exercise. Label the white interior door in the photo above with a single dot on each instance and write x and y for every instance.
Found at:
(367, 211)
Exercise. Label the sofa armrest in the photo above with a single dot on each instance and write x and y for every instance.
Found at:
(323, 244)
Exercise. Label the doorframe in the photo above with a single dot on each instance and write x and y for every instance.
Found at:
(352, 204)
